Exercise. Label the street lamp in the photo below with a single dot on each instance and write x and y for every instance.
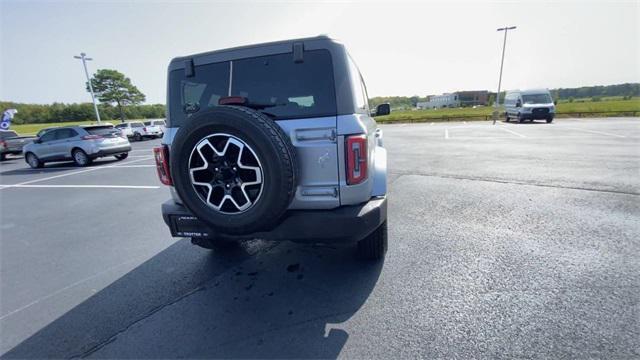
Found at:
(84, 59)
(504, 45)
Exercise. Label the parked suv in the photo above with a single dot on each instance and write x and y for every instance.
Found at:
(154, 128)
(82, 144)
(139, 130)
(274, 141)
(529, 105)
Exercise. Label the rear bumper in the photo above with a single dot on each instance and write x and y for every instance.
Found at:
(346, 224)
(537, 115)
(111, 151)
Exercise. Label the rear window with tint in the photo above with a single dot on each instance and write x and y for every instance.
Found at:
(102, 131)
(282, 88)
(137, 125)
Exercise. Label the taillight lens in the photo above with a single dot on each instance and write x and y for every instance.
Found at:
(161, 154)
(356, 148)
(144, 129)
(3, 144)
(91, 137)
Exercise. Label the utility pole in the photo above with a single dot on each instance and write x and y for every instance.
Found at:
(84, 59)
(504, 45)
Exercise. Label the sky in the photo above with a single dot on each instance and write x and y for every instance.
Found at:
(402, 48)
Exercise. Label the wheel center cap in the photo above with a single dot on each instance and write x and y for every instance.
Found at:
(227, 173)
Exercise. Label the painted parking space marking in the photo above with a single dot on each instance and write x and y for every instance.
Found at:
(39, 186)
(512, 132)
(71, 173)
(63, 289)
(596, 132)
(133, 166)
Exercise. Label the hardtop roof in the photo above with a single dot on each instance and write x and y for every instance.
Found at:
(255, 50)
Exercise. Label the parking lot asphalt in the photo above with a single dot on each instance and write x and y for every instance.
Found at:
(507, 240)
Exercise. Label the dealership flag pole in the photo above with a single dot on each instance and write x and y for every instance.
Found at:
(84, 58)
(504, 45)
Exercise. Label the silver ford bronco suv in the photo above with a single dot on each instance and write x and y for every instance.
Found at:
(274, 141)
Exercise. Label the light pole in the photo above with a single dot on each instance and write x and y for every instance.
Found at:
(504, 45)
(84, 59)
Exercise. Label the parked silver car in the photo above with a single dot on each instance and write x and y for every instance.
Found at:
(82, 144)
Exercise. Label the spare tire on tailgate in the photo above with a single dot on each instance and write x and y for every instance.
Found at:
(234, 168)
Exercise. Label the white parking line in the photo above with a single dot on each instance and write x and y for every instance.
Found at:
(134, 166)
(446, 133)
(596, 132)
(511, 131)
(71, 173)
(66, 288)
(85, 186)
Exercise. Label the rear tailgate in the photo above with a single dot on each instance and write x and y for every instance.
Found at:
(316, 146)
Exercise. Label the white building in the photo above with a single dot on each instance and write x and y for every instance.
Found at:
(440, 101)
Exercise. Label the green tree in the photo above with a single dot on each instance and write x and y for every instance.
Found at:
(112, 87)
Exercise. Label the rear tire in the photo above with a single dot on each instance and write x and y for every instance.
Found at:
(122, 156)
(549, 120)
(33, 161)
(520, 119)
(81, 158)
(3, 157)
(137, 137)
(374, 246)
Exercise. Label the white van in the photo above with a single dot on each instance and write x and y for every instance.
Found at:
(529, 105)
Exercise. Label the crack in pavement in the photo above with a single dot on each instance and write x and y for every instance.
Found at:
(198, 288)
(514, 182)
(114, 337)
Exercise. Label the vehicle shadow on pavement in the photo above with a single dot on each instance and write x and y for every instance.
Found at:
(259, 300)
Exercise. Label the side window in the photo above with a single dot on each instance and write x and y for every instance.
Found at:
(49, 136)
(357, 86)
(65, 134)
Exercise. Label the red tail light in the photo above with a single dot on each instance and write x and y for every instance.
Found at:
(161, 154)
(356, 148)
(232, 100)
(144, 129)
(91, 137)
(3, 144)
